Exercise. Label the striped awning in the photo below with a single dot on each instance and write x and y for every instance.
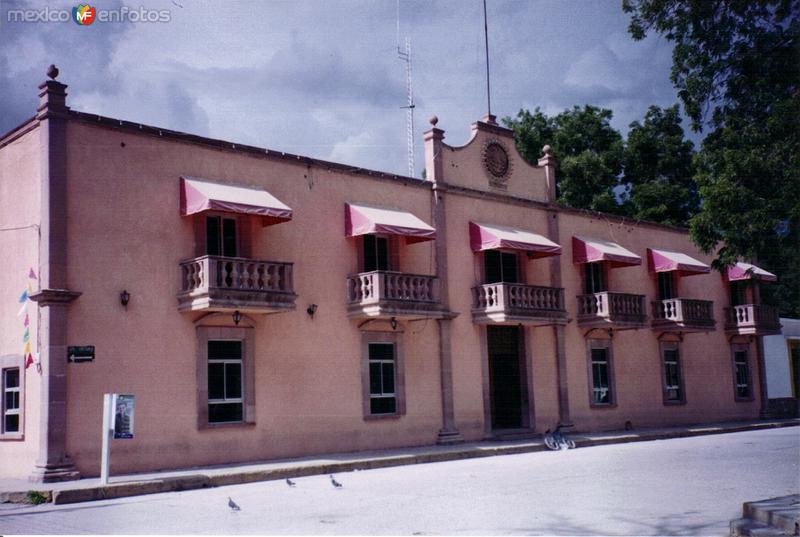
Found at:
(746, 271)
(586, 250)
(364, 220)
(199, 195)
(668, 261)
(494, 237)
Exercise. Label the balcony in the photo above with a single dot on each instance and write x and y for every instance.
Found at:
(611, 310)
(226, 284)
(683, 315)
(752, 319)
(385, 294)
(516, 303)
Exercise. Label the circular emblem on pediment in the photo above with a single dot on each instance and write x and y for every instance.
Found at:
(496, 162)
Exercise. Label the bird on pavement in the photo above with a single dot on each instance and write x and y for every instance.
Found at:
(232, 504)
(335, 483)
(290, 482)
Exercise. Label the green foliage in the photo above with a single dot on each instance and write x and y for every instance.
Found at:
(736, 69)
(659, 170)
(35, 497)
(588, 150)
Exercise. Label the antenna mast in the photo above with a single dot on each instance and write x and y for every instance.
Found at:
(406, 57)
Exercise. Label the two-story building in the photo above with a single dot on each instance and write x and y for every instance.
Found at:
(259, 304)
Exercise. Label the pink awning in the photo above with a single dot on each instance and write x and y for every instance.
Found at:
(365, 220)
(666, 261)
(493, 237)
(746, 271)
(591, 250)
(198, 195)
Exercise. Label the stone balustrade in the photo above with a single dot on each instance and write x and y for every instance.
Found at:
(219, 283)
(608, 308)
(752, 319)
(683, 314)
(384, 293)
(518, 303)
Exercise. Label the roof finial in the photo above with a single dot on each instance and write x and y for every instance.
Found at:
(433, 120)
(546, 150)
(52, 71)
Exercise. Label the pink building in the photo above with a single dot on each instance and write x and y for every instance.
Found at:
(263, 305)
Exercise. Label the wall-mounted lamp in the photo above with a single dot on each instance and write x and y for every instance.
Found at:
(393, 322)
(124, 298)
(311, 310)
(237, 317)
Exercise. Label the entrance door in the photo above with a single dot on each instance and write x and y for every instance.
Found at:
(506, 387)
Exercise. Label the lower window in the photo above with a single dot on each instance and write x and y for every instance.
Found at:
(741, 367)
(11, 400)
(382, 368)
(225, 387)
(602, 386)
(382, 374)
(671, 373)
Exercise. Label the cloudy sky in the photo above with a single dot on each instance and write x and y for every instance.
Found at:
(322, 77)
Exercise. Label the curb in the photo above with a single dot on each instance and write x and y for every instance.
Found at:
(201, 481)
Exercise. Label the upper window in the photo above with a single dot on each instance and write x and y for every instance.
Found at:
(500, 267)
(225, 387)
(221, 236)
(11, 422)
(738, 293)
(666, 286)
(376, 253)
(741, 368)
(594, 280)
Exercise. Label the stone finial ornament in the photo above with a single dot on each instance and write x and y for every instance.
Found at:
(546, 150)
(433, 120)
(52, 71)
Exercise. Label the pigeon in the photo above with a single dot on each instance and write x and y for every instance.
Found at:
(290, 482)
(335, 483)
(232, 505)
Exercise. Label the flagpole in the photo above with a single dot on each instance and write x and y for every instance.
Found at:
(486, 42)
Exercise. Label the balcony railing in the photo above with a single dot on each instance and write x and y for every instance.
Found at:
(516, 303)
(383, 293)
(752, 319)
(611, 309)
(217, 283)
(683, 314)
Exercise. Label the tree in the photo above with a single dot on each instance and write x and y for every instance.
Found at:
(659, 170)
(736, 70)
(588, 150)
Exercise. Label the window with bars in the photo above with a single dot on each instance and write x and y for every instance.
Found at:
(601, 377)
(594, 278)
(500, 267)
(741, 367)
(382, 373)
(225, 381)
(11, 421)
(673, 386)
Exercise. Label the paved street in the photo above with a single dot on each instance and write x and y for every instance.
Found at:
(686, 486)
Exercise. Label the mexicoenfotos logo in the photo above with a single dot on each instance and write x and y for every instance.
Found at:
(84, 14)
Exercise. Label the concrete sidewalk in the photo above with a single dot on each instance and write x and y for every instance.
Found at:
(194, 478)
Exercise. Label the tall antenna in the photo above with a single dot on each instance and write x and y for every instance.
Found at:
(486, 41)
(405, 55)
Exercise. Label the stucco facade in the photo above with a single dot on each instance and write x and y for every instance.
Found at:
(113, 196)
